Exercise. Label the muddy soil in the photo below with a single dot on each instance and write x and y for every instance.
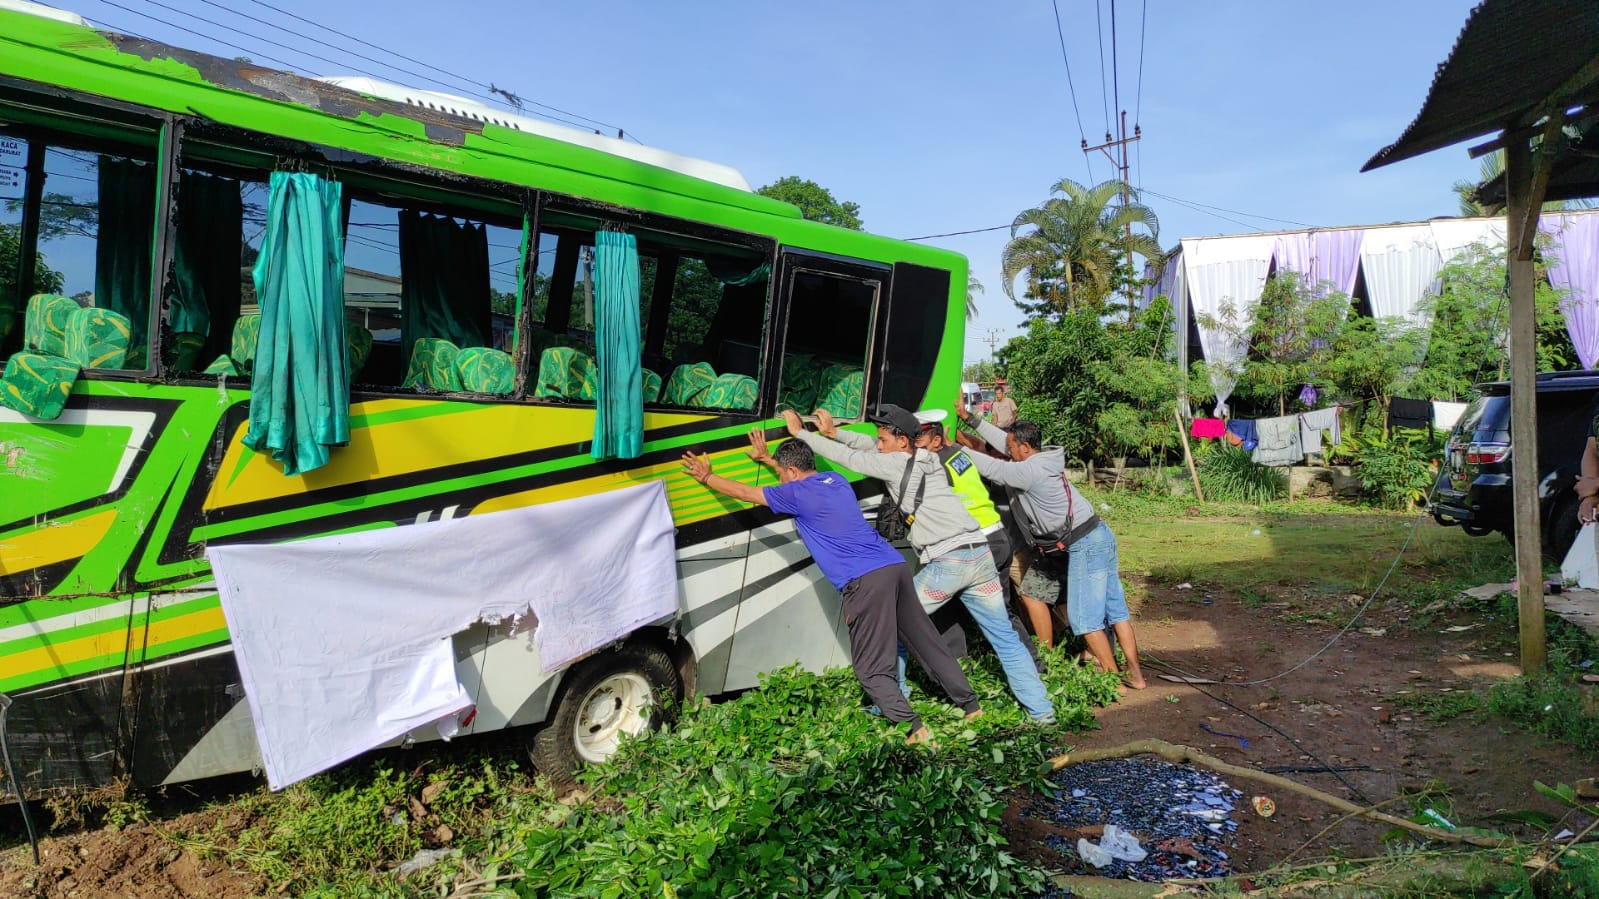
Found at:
(1340, 709)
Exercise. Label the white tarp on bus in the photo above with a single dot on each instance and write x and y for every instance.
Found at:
(343, 642)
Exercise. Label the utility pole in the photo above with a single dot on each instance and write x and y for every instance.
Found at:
(1115, 149)
(993, 340)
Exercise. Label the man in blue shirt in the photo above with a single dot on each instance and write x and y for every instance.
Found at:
(880, 602)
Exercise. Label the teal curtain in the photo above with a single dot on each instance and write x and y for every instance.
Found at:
(737, 274)
(300, 390)
(205, 265)
(619, 406)
(122, 247)
(444, 281)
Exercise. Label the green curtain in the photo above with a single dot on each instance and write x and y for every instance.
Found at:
(444, 281)
(122, 249)
(300, 391)
(737, 274)
(619, 405)
(205, 265)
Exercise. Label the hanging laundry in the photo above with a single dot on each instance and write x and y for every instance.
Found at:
(1445, 415)
(1278, 441)
(1406, 413)
(1311, 424)
(1308, 395)
(1244, 430)
(1208, 428)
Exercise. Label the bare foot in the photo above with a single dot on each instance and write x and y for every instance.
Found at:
(973, 714)
(1135, 683)
(921, 735)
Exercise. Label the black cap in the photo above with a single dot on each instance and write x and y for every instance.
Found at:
(896, 417)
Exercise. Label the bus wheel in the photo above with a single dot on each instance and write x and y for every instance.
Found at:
(607, 697)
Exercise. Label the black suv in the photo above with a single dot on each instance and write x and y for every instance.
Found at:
(1474, 483)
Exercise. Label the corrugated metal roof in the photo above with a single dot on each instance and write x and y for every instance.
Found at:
(1510, 58)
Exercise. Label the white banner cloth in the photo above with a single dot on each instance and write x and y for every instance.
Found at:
(1225, 273)
(1401, 267)
(1454, 237)
(343, 642)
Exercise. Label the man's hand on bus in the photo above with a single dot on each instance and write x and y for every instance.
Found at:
(698, 467)
(961, 410)
(757, 448)
(825, 425)
(791, 420)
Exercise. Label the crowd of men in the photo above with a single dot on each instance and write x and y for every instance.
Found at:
(989, 514)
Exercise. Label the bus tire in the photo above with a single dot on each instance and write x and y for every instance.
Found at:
(606, 697)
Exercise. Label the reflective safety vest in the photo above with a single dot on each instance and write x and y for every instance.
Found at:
(968, 485)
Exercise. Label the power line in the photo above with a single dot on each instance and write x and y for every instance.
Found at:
(243, 33)
(1116, 71)
(1197, 209)
(1099, 32)
(200, 34)
(1143, 29)
(957, 233)
(395, 53)
(1081, 134)
(1225, 209)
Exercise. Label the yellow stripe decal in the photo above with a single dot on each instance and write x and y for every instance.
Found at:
(405, 447)
(60, 655)
(57, 541)
(690, 501)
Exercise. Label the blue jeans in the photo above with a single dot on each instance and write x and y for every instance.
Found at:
(969, 573)
(1095, 599)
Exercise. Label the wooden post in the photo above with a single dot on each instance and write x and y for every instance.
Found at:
(1188, 456)
(1521, 220)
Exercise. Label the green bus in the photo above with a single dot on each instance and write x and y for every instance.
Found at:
(135, 177)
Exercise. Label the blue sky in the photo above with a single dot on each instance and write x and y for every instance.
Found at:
(939, 116)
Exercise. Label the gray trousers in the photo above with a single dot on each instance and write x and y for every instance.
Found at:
(879, 607)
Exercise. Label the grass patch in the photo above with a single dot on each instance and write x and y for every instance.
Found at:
(789, 789)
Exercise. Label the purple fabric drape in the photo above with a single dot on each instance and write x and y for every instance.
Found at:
(1573, 259)
(1331, 256)
(1161, 287)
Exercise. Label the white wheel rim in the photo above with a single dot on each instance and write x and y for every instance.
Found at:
(618, 706)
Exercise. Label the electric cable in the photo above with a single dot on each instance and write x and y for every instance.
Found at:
(200, 34)
(382, 49)
(245, 34)
(1081, 134)
(1099, 32)
(958, 233)
(1252, 215)
(1155, 662)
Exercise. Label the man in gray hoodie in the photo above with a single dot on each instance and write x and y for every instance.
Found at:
(955, 555)
(1052, 510)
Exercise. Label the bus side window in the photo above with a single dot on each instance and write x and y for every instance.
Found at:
(212, 318)
(436, 293)
(96, 222)
(829, 333)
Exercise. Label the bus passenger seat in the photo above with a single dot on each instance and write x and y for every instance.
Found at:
(240, 357)
(98, 338)
(485, 370)
(563, 371)
(37, 384)
(730, 391)
(652, 386)
(433, 365)
(802, 380)
(843, 387)
(688, 384)
(44, 324)
(359, 341)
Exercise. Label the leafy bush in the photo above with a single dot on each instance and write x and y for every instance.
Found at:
(1228, 473)
(1396, 471)
(795, 790)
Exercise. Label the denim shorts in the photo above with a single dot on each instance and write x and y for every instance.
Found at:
(1095, 597)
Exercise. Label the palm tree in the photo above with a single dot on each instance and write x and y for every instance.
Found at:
(1077, 241)
(973, 288)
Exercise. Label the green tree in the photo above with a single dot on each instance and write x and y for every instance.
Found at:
(1289, 334)
(815, 202)
(973, 288)
(1072, 251)
(45, 279)
(1098, 389)
(979, 372)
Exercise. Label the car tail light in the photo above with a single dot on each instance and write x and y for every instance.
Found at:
(1486, 453)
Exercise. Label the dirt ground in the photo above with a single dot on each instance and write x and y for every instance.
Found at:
(1341, 710)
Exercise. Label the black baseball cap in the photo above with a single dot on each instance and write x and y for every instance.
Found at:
(896, 417)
